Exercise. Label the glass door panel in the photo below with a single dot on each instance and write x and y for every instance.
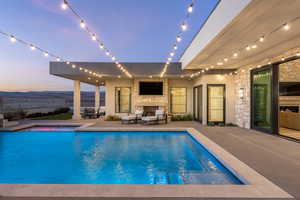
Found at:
(262, 99)
(216, 103)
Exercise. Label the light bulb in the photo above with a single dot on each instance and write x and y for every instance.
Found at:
(68, 63)
(13, 39)
(175, 47)
(32, 47)
(94, 37)
(58, 59)
(169, 59)
(184, 26)
(261, 39)
(82, 24)
(286, 27)
(191, 7)
(235, 55)
(219, 63)
(46, 54)
(248, 48)
(226, 59)
(113, 58)
(178, 38)
(101, 46)
(298, 54)
(64, 5)
(172, 54)
(254, 46)
(107, 53)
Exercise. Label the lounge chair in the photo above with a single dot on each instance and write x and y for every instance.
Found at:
(159, 116)
(132, 118)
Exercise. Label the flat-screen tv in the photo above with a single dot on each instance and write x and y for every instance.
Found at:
(151, 88)
(289, 88)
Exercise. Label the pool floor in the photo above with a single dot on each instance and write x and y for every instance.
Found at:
(67, 157)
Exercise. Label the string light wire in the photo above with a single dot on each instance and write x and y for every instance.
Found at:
(46, 53)
(83, 24)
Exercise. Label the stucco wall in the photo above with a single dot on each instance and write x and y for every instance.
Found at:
(230, 94)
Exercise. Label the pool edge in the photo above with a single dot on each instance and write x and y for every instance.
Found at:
(257, 185)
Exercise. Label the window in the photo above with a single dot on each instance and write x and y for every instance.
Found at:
(123, 100)
(216, 103)
(178, 100)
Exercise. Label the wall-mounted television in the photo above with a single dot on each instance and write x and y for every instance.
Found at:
(151, 88)
(289, 88)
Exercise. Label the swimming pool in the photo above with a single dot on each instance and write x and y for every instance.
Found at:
(67, 157)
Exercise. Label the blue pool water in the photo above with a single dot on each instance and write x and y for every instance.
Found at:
(45, 157)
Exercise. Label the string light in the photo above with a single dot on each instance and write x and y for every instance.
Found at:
(286, 27)
(64, 5)
(13, 39)
(254, 46)
(226, 59)
(184, 26)
(235, 55)
(32, 47)
(44, 52)
(190, 8)
(248, 48)
(93, 36)
(82, 24)
(298, 54)
(261, 39)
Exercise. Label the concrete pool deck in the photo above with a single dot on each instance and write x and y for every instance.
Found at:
(275, 158)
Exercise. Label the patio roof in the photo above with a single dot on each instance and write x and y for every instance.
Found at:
(243, 22)
(109, 71)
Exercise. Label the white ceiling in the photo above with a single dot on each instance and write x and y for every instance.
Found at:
(257, 19)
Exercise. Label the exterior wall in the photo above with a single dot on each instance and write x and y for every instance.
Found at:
(242, 80)
(230, 94)
(137, 101)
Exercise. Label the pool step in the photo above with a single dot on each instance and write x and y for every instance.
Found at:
(196, 177)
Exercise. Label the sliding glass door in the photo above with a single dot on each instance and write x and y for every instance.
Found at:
(216, 104)
(263, 91)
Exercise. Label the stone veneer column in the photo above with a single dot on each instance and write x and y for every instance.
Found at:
(97, 98)
(76, 100)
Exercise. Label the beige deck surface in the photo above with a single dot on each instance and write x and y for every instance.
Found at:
(275, 158)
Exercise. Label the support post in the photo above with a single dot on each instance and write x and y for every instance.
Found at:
(97, 98)
(76, 100)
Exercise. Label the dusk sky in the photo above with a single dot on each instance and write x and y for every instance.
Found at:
(135, 31)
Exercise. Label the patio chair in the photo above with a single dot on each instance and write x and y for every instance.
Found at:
(159, 116)
(89, 113)
(132, 118)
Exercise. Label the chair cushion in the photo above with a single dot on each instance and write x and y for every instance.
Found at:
(149, 118)
(130, 117)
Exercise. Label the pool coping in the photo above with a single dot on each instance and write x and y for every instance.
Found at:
(257, 186)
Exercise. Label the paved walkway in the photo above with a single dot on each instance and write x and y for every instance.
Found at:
(275, 158)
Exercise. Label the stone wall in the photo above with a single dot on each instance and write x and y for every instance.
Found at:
(290, 71)
(150, 100)
(242, 80)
